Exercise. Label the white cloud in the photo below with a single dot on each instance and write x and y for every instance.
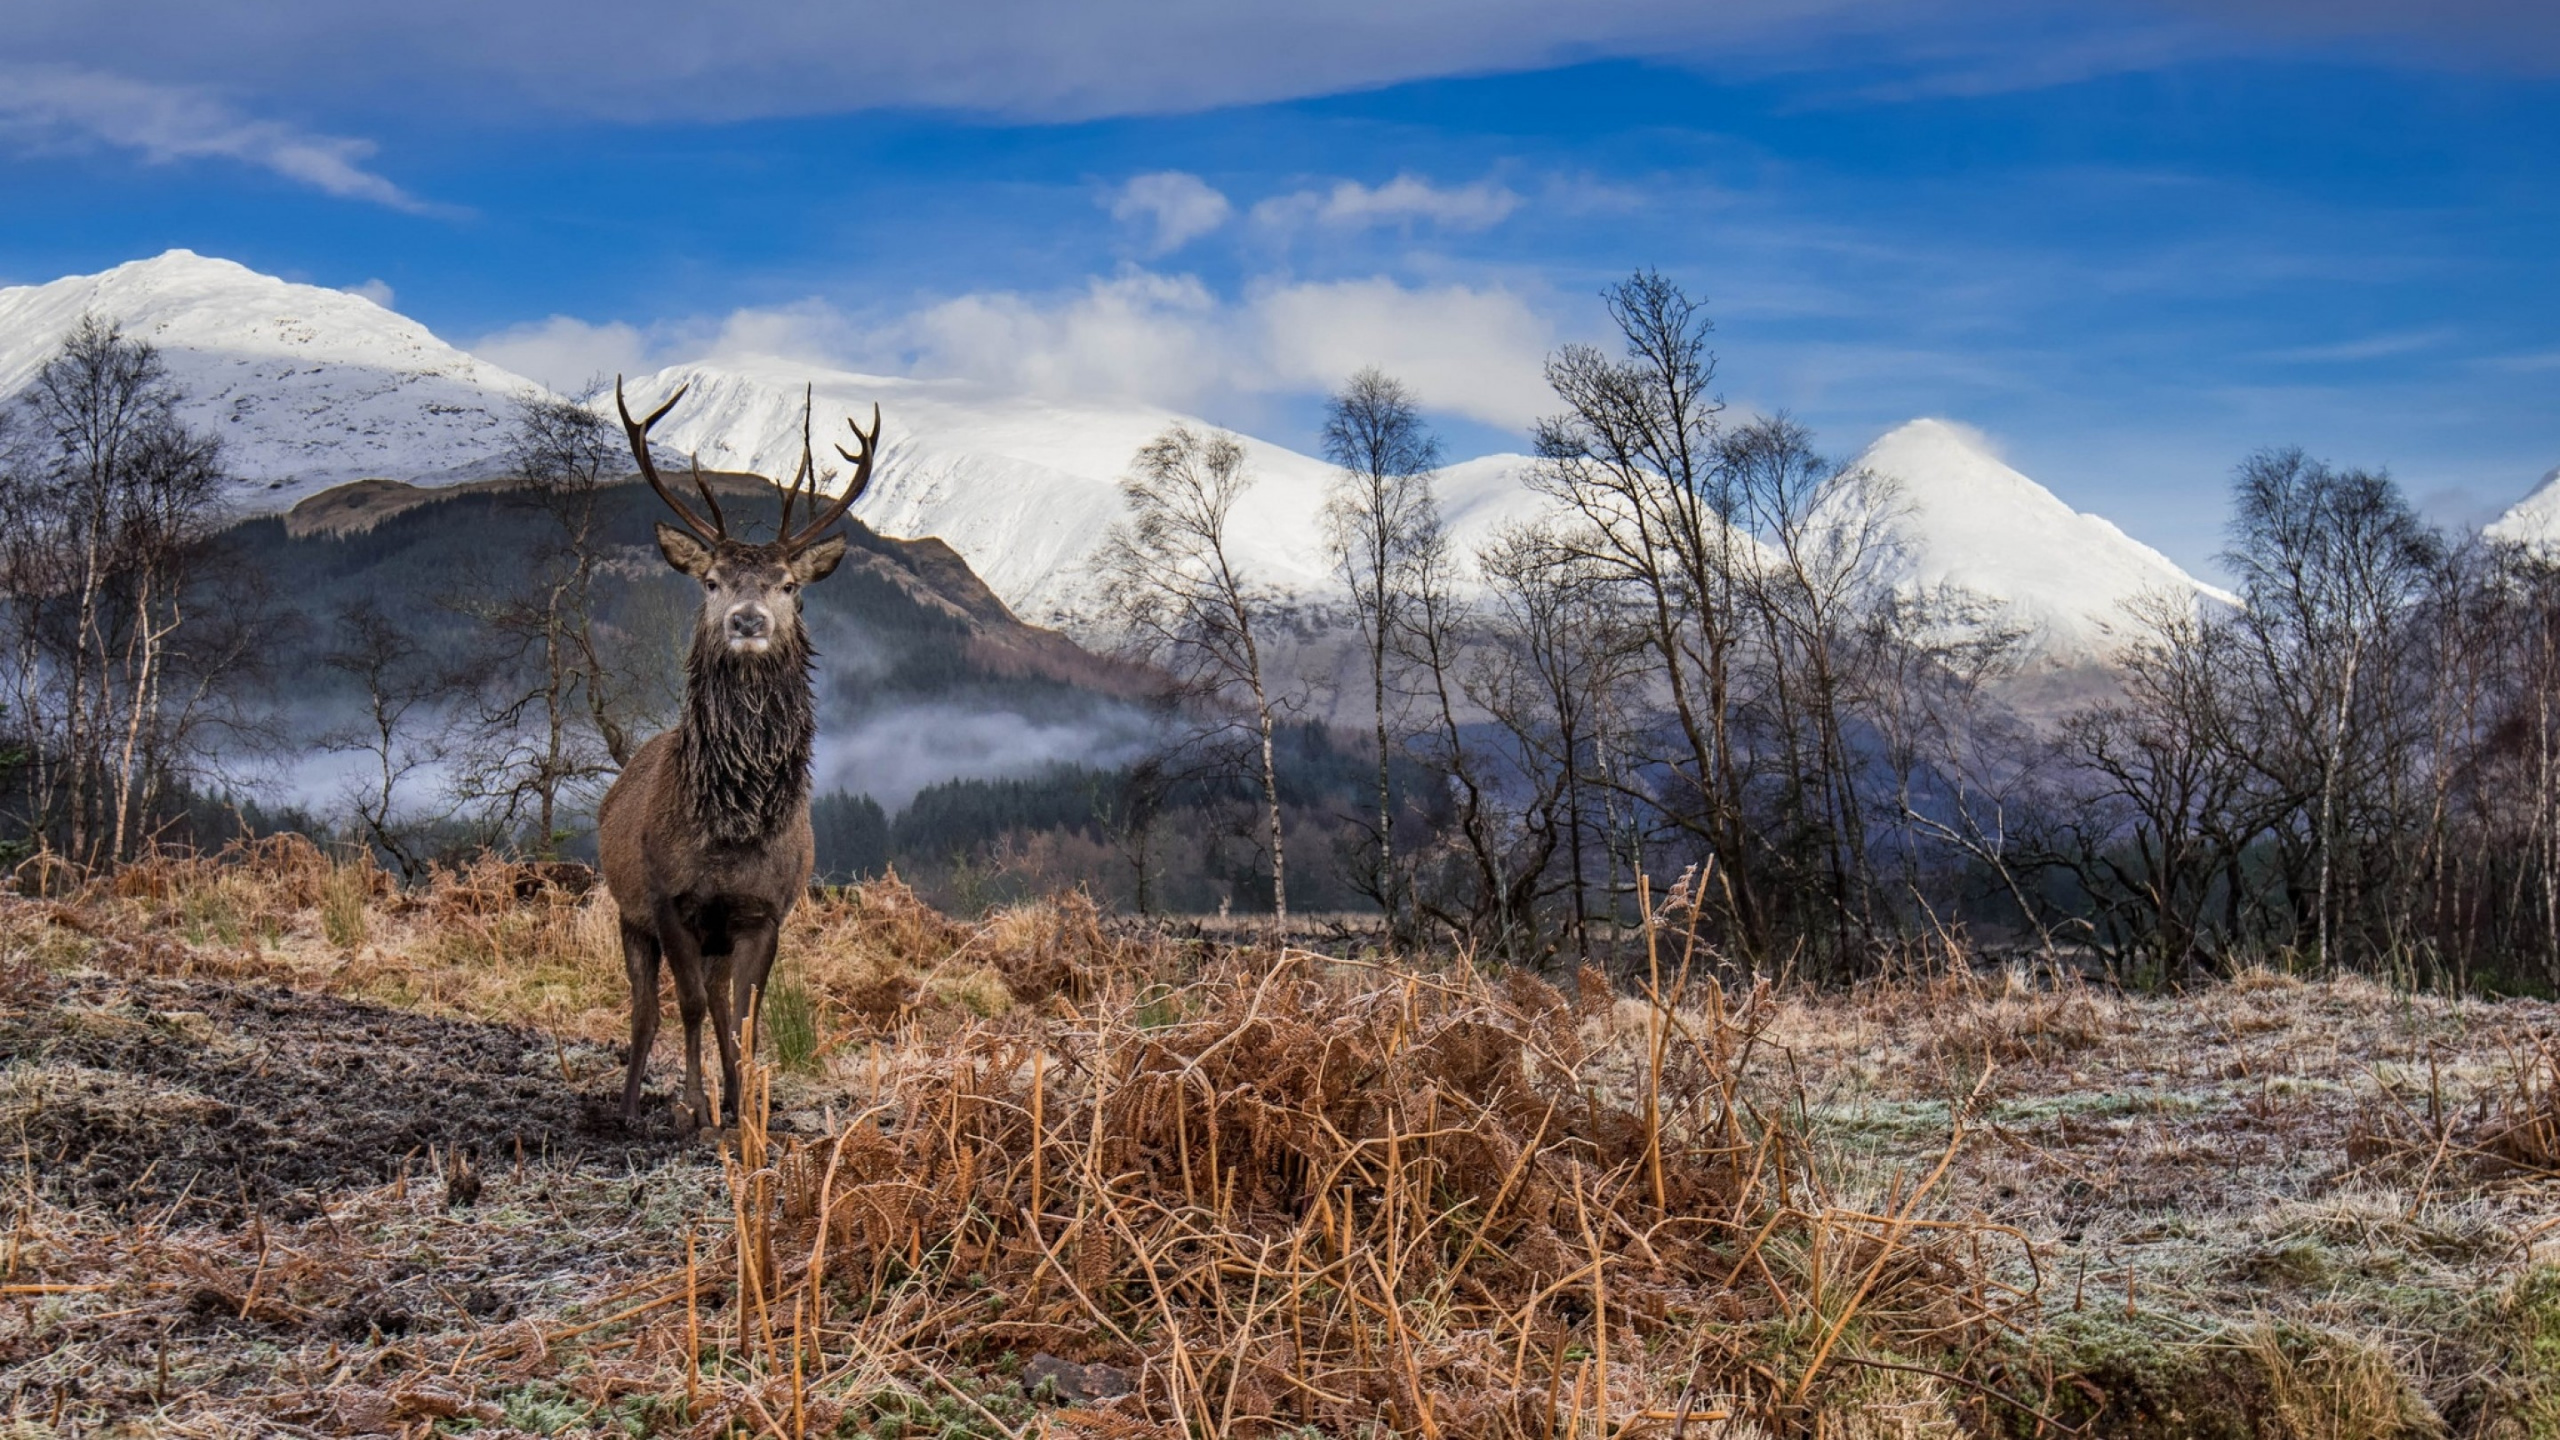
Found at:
(1143, 335)
(1477, 352)
(376, 290)
(1137, 335)
(48, 107)
(1180, 206)
(1166, 339)
(564, 353)
(808, 329)
(569, 354)
(1405, 200)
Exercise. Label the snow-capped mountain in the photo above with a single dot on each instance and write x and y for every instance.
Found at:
(1024, 487)
(1961, 517)
(2534, 520)
(310, 388)
(307, 387)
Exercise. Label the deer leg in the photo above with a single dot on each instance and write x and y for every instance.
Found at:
(752, 953)
(640, 961)
(693, 1000)
(724, 1025)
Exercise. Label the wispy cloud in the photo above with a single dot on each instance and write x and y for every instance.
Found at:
(2525, 362)
(2370, 347)
(1404, 201)
(55, 106)
(2503, 34)
(1176, 206)
(679, 59)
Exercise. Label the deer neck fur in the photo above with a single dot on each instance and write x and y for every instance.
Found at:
(743, 746)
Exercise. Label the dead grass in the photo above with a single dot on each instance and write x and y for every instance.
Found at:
(539, 943)
(1278, 1191)
(1343, 1197)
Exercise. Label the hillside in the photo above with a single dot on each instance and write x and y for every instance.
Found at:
(911, 642)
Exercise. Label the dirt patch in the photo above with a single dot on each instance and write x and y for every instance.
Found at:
(222, 1098)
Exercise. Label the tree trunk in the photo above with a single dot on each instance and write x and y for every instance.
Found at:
(1386, 803)
(1271, 804)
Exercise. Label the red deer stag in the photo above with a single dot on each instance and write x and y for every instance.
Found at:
(705, 836)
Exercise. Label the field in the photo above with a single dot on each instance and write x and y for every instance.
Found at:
(298, 1153)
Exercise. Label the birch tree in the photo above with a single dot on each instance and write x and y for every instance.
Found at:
(1380, 518)
(1173, 588)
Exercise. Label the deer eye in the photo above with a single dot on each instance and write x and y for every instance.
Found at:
(711, 585)
(791, 587)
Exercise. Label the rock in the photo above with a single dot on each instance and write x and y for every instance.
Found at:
(1065, 1382)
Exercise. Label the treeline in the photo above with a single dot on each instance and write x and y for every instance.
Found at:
(1699, 672)
(2360, 764)
(1193, 837)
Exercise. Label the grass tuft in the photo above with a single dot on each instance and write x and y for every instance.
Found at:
(791, 1017)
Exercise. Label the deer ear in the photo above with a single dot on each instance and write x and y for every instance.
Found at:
(818, 561)
(683, 551)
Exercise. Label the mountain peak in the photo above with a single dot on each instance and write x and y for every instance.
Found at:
(2533, 521)
(306, 387)
(1964, 517)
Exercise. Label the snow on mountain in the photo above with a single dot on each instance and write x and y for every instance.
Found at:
(307, 387)
(2533, 521)
(1024, 487)
(1965, 519)
(310, 388)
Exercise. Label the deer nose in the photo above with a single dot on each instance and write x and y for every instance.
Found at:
(749, 622)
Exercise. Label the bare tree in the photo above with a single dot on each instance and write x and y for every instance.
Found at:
(1633, 457)
(1432, 643)
(1967, 774)
(400, 734)
(2161, 801)
(1813, 595)
(2332, 564)
(1378, 517)
(1556, 658)
(108, 504)
(557, 717)
(1171, 585)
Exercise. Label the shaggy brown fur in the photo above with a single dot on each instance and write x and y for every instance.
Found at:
(744, 745)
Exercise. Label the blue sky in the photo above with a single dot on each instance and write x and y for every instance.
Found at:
(2129, 245)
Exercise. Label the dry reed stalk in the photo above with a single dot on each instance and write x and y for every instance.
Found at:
(692, 1331)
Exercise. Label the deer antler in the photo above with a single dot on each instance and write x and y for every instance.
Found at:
(719, 522)
(853, 487)
(638, 432)
(808, 466)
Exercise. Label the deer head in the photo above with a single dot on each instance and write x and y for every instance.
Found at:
(751, 590)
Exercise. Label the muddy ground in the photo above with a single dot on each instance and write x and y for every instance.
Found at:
(193, 1099)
